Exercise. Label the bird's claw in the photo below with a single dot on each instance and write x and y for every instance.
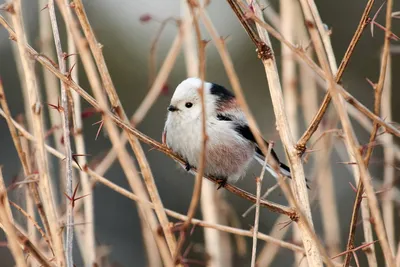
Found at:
(221, 182)
(188, 167)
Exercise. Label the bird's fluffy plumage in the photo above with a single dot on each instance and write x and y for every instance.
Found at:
(231, 145)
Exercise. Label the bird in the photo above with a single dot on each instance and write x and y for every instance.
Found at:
(231, 145)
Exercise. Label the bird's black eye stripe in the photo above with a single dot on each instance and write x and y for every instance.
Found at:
(188, 104)
(221, 117)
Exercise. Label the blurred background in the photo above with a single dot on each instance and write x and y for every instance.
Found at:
(127, 41)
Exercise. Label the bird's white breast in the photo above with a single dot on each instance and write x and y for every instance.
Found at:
(228, 154)
(184, 137)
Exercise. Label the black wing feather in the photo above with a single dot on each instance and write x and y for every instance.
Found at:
(222, 117)
(244, 130)
(221, 92)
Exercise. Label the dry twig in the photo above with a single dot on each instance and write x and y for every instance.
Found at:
(69, 234)
(301, 144)
(36, 114)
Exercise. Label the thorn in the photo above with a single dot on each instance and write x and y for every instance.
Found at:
(353, 187)
(285, 224)
(75, 158)
(66, 55)
(45, 7)
(54, 64)
(73, 198)
(151, 149)
(57, 107)
(101, 122)
(392, 35)
(371, 83)
(70, 72)
(372, 22)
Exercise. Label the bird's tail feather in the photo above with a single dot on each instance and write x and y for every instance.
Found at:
(285, 170)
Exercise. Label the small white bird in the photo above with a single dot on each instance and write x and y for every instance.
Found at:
(231, 145)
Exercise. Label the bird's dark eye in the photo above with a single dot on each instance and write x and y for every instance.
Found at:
(188, 104)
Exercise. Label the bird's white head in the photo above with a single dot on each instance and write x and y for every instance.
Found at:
(186, 101)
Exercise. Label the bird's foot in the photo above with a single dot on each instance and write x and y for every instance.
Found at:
(221, 182)
(188, 167)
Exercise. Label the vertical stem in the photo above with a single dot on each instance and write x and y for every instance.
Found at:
(50, 81)
(389, 160)
(35, 112)
(69, 234)
(52, 92)
(289, 86)
(214, 241)
(257, 214)
(89, 247)
(285, 132)
(324, 178)
(379, 225)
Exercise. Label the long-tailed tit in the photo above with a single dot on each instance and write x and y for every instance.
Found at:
(231, 145)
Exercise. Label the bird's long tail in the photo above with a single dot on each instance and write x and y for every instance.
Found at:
(284, 170)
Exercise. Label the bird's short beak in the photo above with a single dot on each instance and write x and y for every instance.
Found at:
(172, 108)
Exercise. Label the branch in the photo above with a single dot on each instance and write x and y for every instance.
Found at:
(36, 114)
(301, 144)
(377, 106)
(233, 189)
(346, 95)
(6, 222)
(266, 55)
(202, 157)
(69, 235)
(86, 241)
(144, 201)
(257, 215)
(96, 49)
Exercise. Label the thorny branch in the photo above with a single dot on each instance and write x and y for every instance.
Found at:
(69, 234)
(142, 137)
(202, 160)
(301, 144)
(377, 107)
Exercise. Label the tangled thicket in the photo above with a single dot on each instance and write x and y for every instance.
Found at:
(48, 237)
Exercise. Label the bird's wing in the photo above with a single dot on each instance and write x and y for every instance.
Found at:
(244, 130)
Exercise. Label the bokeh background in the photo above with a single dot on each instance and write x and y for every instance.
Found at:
(127, 43)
